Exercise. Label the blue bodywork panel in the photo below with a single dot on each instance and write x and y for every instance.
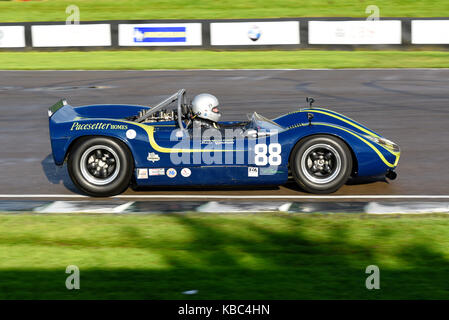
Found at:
(172, 156)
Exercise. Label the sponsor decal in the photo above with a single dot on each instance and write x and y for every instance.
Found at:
(156, 172)
(171, 173)
(217, 142)
(153, 157)
(160, 34)
(131, 134)
(142, 174)
(186, 172)
(253, 172)
(254, 33)
(97, 126)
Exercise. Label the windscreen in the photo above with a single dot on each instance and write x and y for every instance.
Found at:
(260, 122)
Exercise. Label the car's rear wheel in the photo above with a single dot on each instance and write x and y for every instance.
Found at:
(100, 166)
(321, 164)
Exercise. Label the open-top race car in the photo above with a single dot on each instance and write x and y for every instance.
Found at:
(108, 147)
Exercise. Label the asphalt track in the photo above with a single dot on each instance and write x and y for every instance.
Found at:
(410, 107)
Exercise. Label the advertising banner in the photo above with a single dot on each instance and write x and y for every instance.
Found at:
(355, 32)
(12, 36)
(254, 33)
(430, 31)
(71, 35)
(161, 34)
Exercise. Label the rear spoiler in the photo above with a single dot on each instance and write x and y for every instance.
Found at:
(58, 105)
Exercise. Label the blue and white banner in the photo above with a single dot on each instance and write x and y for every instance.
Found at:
(160, 34)
(168, 34)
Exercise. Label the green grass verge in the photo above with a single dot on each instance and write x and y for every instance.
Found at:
(139, 59)
(54, 10)
(264, 256)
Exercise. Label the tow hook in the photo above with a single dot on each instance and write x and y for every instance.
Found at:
(391, 175)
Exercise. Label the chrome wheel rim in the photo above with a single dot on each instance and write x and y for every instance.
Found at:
(321, 163)
(100, 165)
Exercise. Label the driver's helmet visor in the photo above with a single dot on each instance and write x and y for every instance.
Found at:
(215, 109)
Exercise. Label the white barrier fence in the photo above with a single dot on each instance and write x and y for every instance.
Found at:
(208, 34)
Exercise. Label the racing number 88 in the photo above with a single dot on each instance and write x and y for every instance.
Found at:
(274, 154)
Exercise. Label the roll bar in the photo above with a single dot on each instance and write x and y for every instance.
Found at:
(176, 96)
(181, 96)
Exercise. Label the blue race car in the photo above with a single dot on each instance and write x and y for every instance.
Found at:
(109, 147)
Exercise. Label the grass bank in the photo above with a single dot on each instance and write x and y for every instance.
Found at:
(55, 10)
(264, 256)
(192, 59)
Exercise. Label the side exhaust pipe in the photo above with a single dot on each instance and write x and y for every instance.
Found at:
(391, 175)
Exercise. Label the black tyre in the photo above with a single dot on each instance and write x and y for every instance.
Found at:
(100, 166)
(321, 164)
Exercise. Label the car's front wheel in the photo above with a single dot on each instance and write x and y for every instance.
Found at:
(100, 166)
(321, 164)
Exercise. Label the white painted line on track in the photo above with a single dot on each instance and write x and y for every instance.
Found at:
(188, 196)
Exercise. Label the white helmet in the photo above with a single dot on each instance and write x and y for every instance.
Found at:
(205, 106)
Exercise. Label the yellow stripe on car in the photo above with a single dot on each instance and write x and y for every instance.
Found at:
(336, 116)
(150, 132)
(348, 121)
(381, 156)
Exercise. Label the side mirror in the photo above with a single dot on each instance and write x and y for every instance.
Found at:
(310, 101)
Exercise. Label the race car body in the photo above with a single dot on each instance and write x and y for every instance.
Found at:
(109, 146)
